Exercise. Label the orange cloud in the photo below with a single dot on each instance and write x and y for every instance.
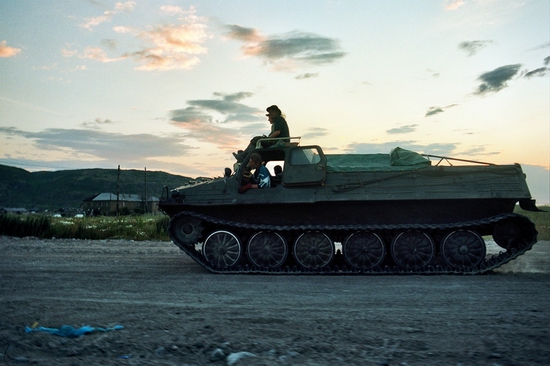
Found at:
(170, 9)
(96, 53)
(6, 51)
(173, 46)
(108, 14)
(451, 5)
(178, 39)
(167, 47)
(92, 22)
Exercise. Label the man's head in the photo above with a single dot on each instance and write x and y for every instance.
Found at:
(255, 161)
(272, 112)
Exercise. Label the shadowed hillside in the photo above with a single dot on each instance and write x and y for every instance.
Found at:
(67, 188)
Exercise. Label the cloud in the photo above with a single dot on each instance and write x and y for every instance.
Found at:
(172, 46)
(244, 34)
(315, 132)
(464, 131)
(172, 10)
(7, 51)
(98, 54)
(97, 123)
(93, 53)
(434, 73)
(200, 123)
(108, 14)
(289, 50)
(451, 5)
(471, 47)
(189, 115)
(307, 75)
(442, 149)
(110, 43)
(123, 29)
(478, 150)
(541, 47)
(127, 6)
(449, 150)
(89, 146)
(496, 80)
(402, 129)
(103, 145)
(540, 72)
(92, 22)
(67, 52)
(432, 111)
(228, 106)
(435, 110)
(167, 46)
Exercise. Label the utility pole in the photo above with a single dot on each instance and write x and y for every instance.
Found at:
(117, 189)
(145, 189)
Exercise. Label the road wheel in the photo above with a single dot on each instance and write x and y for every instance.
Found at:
(185, 229)
(222, 249)
(313, 250)
(463, 248)
(413, 249)
(364, 249)
(267, 249)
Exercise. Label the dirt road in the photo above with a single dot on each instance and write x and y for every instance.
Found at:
(175, 313)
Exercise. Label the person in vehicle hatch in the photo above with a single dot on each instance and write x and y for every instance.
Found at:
(261, 177)
(279, 129)
(278, 170)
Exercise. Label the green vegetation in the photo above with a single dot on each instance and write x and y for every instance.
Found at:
(18, 225)
(144, 227)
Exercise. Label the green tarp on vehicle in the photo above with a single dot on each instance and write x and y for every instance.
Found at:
(397, 160)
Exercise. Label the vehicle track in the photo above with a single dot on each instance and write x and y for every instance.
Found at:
(207, 224)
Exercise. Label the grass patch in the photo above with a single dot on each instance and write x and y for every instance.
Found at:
(146, 227)
(28, 225)
(143, 227)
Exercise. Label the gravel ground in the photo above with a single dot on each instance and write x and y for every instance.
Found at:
(175, 313)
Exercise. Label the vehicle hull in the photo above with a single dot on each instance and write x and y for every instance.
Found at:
(353, 212)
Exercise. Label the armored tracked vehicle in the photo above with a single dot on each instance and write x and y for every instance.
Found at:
(396, 213)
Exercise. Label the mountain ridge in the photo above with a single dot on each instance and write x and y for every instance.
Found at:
(65, 189)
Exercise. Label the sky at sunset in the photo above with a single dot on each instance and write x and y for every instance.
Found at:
(177, 86)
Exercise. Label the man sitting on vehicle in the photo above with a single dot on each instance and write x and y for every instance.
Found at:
(279, 129)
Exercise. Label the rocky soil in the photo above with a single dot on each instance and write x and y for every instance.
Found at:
(175, 313)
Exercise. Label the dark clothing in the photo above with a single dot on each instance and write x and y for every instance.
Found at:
(279, 124)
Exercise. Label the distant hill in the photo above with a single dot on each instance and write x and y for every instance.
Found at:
(67, 188)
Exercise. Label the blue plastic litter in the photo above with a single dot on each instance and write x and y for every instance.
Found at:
(71, 332)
